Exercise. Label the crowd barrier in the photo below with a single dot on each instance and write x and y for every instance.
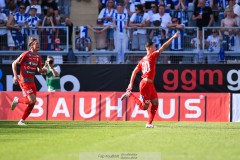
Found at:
(193, 47)
(94, 47)
(102, 50)
(53, 41)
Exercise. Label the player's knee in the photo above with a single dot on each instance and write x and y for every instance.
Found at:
(32, 101)
(145, 107)
(155, 106)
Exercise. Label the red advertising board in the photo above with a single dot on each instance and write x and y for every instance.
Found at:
(38, 113)
(87, 106)
(107, 106)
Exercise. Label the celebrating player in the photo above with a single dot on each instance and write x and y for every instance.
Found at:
(148, 93)
(29, 61)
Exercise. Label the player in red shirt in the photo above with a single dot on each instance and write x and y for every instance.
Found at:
(148, 93)
(29, 61)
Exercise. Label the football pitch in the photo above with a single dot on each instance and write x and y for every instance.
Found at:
(71, 140)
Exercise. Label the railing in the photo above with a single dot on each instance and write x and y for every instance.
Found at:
(171, 55)
(226, 46)
(131, 44)
(192, 50)
(101, 49)
(98, 49)
(53, 41)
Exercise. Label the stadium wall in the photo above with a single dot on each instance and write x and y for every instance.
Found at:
(169, 78)
(187, 92)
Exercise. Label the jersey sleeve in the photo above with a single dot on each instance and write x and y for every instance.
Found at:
(155, 54)
(22, 57)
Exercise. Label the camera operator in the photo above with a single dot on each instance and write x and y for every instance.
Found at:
(52, 75)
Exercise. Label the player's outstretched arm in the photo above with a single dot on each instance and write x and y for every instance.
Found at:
(134, 73)
(166, 44)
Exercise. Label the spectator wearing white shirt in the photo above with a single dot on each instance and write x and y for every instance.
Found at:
(163, 17)
(213, 44)
(154, 10)
(138, 20)
(3, 32)
(35, 3)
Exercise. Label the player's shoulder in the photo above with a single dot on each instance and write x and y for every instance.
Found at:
(154, 53)
(25, 53)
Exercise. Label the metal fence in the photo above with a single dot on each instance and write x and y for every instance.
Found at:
(129, 46)
(196, 47)
(96, 47)
(221, 45)
(53, 41)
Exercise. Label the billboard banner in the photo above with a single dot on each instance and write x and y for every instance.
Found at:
(115, 77)
(107, 106)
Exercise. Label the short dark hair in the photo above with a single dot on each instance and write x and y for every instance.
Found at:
(12, 7)
(149, 44)
(140, 7)
(22, 4)
(50, 57)
(161, 5)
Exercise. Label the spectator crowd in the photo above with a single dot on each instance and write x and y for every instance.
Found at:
(128, 24)
(22, 19)
(123, 25)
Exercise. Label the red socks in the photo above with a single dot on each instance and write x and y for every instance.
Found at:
(27, 111)
(138, 102)
(152, 113)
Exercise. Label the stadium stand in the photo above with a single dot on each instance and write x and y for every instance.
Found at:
(56, 39)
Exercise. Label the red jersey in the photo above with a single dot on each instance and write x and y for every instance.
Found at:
(148, 65)
(29, 63)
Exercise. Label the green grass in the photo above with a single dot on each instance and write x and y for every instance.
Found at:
(57, 140)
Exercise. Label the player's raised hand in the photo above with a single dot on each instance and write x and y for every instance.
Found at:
(176, 35)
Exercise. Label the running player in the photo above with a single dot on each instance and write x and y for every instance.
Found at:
(148, 93)
(29, 61)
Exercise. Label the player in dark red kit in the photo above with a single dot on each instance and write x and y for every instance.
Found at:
(29, 61)
(148, 93)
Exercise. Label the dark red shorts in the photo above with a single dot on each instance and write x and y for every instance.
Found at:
(147, 91)
(28, 88)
